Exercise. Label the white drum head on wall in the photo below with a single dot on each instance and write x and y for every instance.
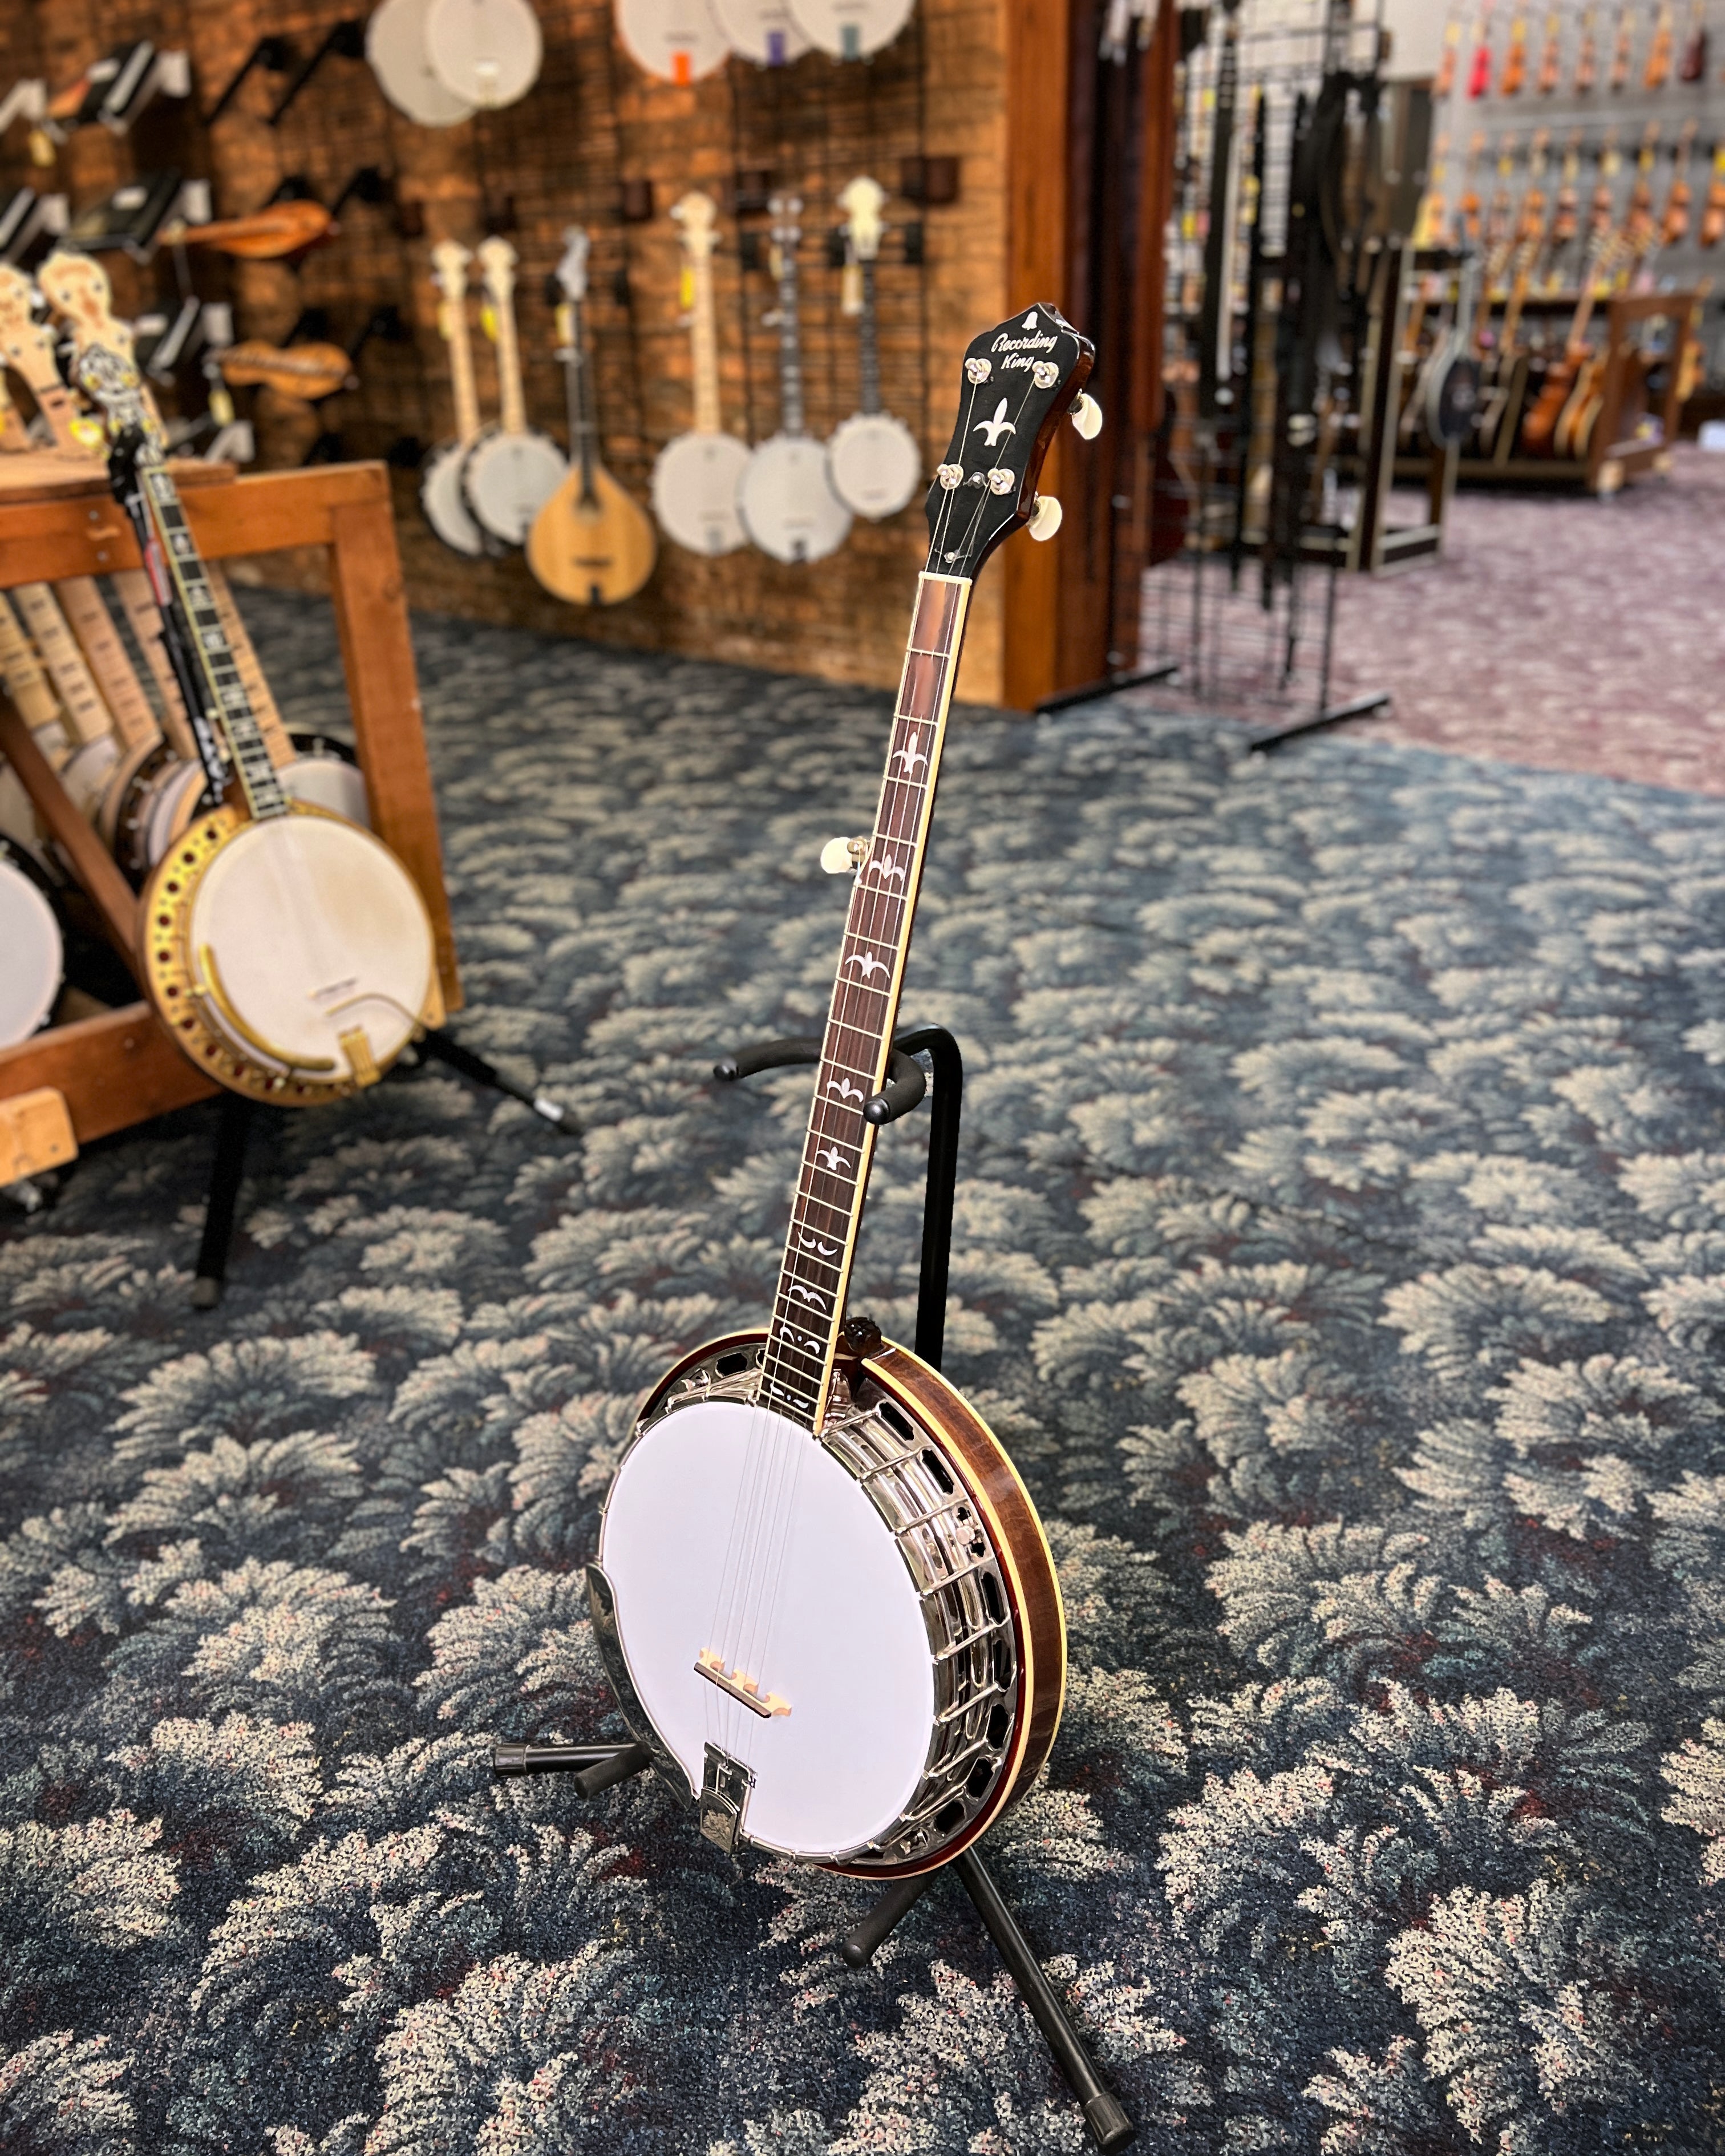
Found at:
(395, 46)
(486, 51)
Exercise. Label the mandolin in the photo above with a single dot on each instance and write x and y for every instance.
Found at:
(440, 495)
(786, 500)
(591, 543)
(697, 476)
(278, 229)
(286, 950)
(821, 1593)
(306, 371)
(873, 459)
(679, 41)
(511, 471)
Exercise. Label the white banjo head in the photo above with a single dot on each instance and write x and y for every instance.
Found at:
(486, 52)
(302, 928)
(30, 937)
(86, 772)
(170, 803)
(695, 484)
(875, 463)
(841, 1641)
(395, 46)
(445, 507)
(787, 502)
(323, 774)
(675, 40)
(761, 30)
(507, 479)
(850, 29)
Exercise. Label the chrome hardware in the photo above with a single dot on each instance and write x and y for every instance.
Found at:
(950, 475)
(839, 854)
(1087, 417)
(725, 1786)
(709, 1664)
(1045, 373)
(1046, 516)
(977, 370)
(1001, 480)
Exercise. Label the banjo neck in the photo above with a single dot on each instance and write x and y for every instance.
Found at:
(786, 234)
(808, 1308)
(497, 263)
(578, 377)
(868, 342)
(695, 212)
(450, 261)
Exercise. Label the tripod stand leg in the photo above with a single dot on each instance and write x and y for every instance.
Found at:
(858, 1946)
(478, 1072)
(1109, 2126)
(226, 1173)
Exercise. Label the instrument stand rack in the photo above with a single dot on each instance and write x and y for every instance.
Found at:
(232, 1131)
(600, 1767)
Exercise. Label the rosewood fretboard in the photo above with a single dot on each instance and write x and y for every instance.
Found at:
(809, 1307)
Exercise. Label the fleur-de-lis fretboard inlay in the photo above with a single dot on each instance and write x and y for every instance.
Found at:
(797, 1370)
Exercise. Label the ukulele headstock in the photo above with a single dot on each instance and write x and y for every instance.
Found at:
(1020, 379)
(699, 221)
(862, 203)
(572, 269)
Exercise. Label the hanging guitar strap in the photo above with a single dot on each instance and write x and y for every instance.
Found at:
(127, 477)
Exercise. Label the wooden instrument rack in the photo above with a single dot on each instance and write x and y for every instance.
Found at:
(73, 1083)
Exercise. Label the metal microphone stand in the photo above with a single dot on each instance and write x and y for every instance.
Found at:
(598, 1766)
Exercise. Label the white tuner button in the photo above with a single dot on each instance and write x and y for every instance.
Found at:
(1046, 516)
(1087, 417)
(841, 855)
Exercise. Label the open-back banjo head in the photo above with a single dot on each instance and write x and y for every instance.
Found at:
(674, 40)
(395, 46)
(511, 473)
(30, 937)
(786, 500)
(697, 476)
(487, 53)
(440, 495)
(873, 459)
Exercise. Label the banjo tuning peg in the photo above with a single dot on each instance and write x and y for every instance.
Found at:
(1046, 516)
(1087, 417)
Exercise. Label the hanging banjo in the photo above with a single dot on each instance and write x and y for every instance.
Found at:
(695, 479)
(822, 1592)
(873, 459)
(511, 473)
(287, 951)
(785, 499)
(440, 495)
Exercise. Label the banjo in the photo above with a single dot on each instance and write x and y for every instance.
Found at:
(287, 951)
(509, 474)
(761, 30)
(696, 478)
(785, 499)
(440, 495)
(850, 29)
(822, 1593)
(593, 543)
(872, 460)
(487, 52)
(30, 937)
(395, 49)
(674, 40)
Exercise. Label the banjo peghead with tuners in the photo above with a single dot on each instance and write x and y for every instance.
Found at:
(287, 952)
(822, 1592)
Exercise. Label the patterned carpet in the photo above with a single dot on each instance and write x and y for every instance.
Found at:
(1575, 634)
(1342, 1252)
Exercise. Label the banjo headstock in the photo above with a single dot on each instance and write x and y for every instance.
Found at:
(77, 289)
(862, 203)
(1020, 379)
(700, 223)
(571, 270)
(497, 262)
(449, 266)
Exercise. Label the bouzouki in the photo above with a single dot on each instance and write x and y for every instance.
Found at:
(696, 475)
(287, 951)
(511, 473)
(873, 459)
(592, 543)
(786, 500)
(440, 495)
(822, 1593)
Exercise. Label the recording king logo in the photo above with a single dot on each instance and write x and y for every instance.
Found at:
(1017, 350)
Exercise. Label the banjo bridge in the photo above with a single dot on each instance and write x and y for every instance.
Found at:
(709, 1664)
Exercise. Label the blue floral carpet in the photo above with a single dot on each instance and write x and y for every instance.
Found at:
(1342, 1252)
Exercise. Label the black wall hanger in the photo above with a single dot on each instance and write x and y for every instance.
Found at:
(274, 54)
(347, 40)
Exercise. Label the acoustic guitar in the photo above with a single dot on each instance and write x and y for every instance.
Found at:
(822, 1593)
(306, 371)
(872, 458)
(786, 500)
(268, 235)
(592, 543)
(696, 475)
(287, 951)
(510, 473)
